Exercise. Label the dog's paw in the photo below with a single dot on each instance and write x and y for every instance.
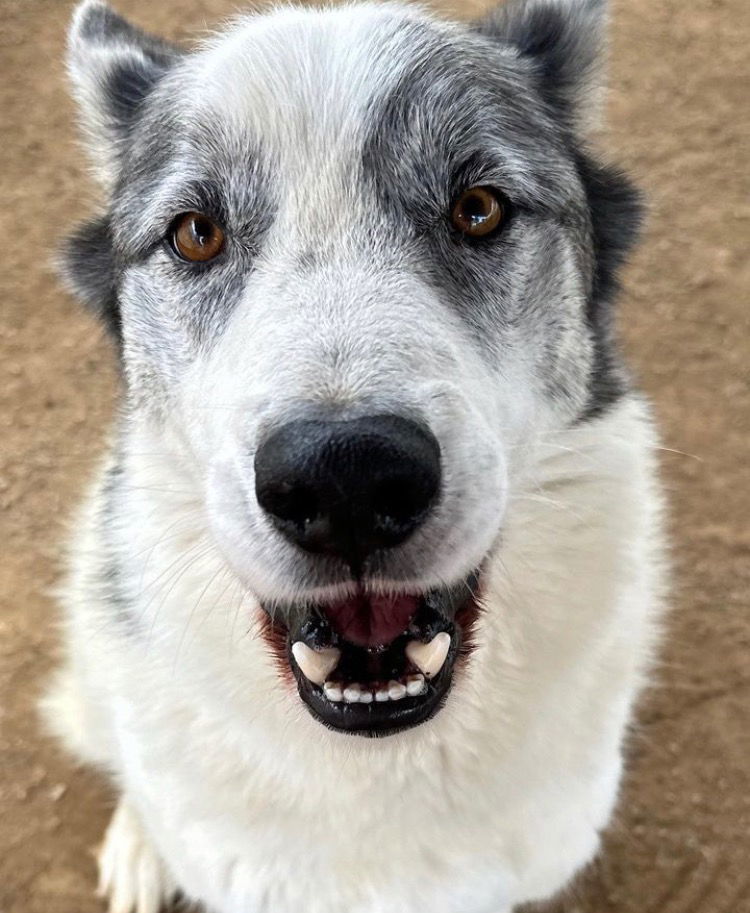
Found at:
(132, 877)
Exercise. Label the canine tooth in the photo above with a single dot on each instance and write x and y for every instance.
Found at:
(332, 691)
(429, 658)
(365, 697)
(352, 693)
(381, 695)
(316, 665)
(396, 690)
(415, 685)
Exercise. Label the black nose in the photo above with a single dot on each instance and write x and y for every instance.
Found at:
(348, 488)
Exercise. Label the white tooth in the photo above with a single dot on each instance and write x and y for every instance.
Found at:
(415, 685)
(316, 665)
(429, 658)
(365, 697)
(352, 693)
(332, 691)
(396, 690)
(381, 695)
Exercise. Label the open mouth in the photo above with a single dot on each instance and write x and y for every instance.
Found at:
(375, 664)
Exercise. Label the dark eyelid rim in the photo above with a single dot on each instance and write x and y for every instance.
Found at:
(167, 241)
(198, 196)
(479, 171)
(204, 197)
(201, 196)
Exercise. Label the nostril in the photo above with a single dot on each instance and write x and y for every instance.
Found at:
(296, 504)
(399, 501)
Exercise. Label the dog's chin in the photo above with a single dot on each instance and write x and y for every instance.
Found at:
(375, 664)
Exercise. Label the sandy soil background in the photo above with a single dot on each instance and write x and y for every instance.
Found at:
(678, 118)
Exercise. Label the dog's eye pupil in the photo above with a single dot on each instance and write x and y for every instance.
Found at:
(478, 212)
(196, 237)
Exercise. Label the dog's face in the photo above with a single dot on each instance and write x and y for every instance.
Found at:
(356, 263)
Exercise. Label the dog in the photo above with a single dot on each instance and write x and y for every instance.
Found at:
(362, 598)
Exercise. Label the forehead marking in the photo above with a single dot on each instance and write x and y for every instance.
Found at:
(300, 80)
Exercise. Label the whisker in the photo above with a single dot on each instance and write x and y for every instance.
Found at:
(209, 583)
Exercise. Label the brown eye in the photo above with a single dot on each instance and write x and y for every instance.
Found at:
(478, 212)
(197, 238)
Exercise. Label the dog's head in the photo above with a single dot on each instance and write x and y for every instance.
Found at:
(355, 260)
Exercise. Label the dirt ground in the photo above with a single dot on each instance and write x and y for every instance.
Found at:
(678, 115)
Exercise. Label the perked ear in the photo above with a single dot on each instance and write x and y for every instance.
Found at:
(113, 67)
(563, 43)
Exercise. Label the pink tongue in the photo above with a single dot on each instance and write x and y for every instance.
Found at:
(371, 621)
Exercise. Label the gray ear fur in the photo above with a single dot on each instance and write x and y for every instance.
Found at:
(113, 67)
(563, 43)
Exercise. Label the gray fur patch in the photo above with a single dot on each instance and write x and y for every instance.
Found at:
(330, 146)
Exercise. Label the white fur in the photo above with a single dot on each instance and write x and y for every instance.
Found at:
(497, 800)
(131, 874)
(230, 789)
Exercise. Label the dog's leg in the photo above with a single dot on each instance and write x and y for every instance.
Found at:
(132, 877)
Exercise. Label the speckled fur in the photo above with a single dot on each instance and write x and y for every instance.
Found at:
(329, 144)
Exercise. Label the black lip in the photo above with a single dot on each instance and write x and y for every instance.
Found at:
(376, 719)
(451, 609)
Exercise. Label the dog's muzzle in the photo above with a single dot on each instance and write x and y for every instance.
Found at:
(371, 663)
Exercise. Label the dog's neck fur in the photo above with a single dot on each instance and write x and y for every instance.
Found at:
(559, 658)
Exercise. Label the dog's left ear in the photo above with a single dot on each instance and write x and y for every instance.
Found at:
(113, 67)
(562, 42)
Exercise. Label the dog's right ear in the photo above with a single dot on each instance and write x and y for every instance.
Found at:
(113, 66)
